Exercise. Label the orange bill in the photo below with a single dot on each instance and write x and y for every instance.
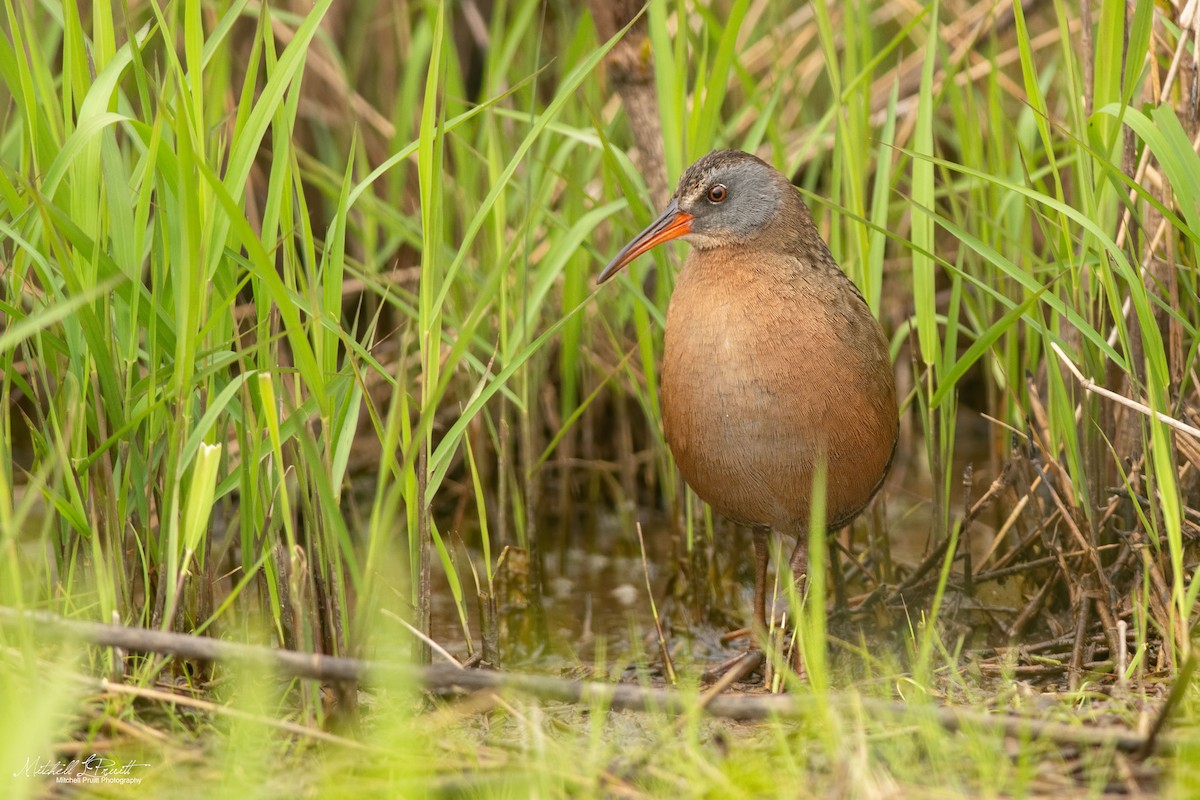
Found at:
(671, 224)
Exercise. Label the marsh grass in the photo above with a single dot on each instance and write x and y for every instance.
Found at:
(299, 323)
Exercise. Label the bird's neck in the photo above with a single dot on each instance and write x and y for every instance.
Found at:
(794, 232)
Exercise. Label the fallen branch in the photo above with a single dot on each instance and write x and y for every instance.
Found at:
(448, 678)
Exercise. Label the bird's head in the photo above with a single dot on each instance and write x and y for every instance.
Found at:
(727, 197)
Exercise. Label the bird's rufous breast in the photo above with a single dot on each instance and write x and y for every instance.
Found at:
(772, 363)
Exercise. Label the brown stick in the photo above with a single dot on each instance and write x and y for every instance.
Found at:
(450, 678)
(1032, 607)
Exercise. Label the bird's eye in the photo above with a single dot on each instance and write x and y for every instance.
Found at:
(717, 193)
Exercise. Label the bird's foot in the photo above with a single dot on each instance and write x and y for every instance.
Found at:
(734, 669)
(733, 636)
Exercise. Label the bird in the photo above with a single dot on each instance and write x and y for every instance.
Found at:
(773, 362)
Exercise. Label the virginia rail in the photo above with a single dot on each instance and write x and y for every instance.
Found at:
(773, 359)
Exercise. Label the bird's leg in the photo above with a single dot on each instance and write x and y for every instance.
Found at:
(761, 539)
(835, 570)
(799, 566)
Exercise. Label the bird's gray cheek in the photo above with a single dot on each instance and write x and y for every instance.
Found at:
(761, 210)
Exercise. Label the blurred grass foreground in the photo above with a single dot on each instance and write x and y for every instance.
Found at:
(301, 353)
